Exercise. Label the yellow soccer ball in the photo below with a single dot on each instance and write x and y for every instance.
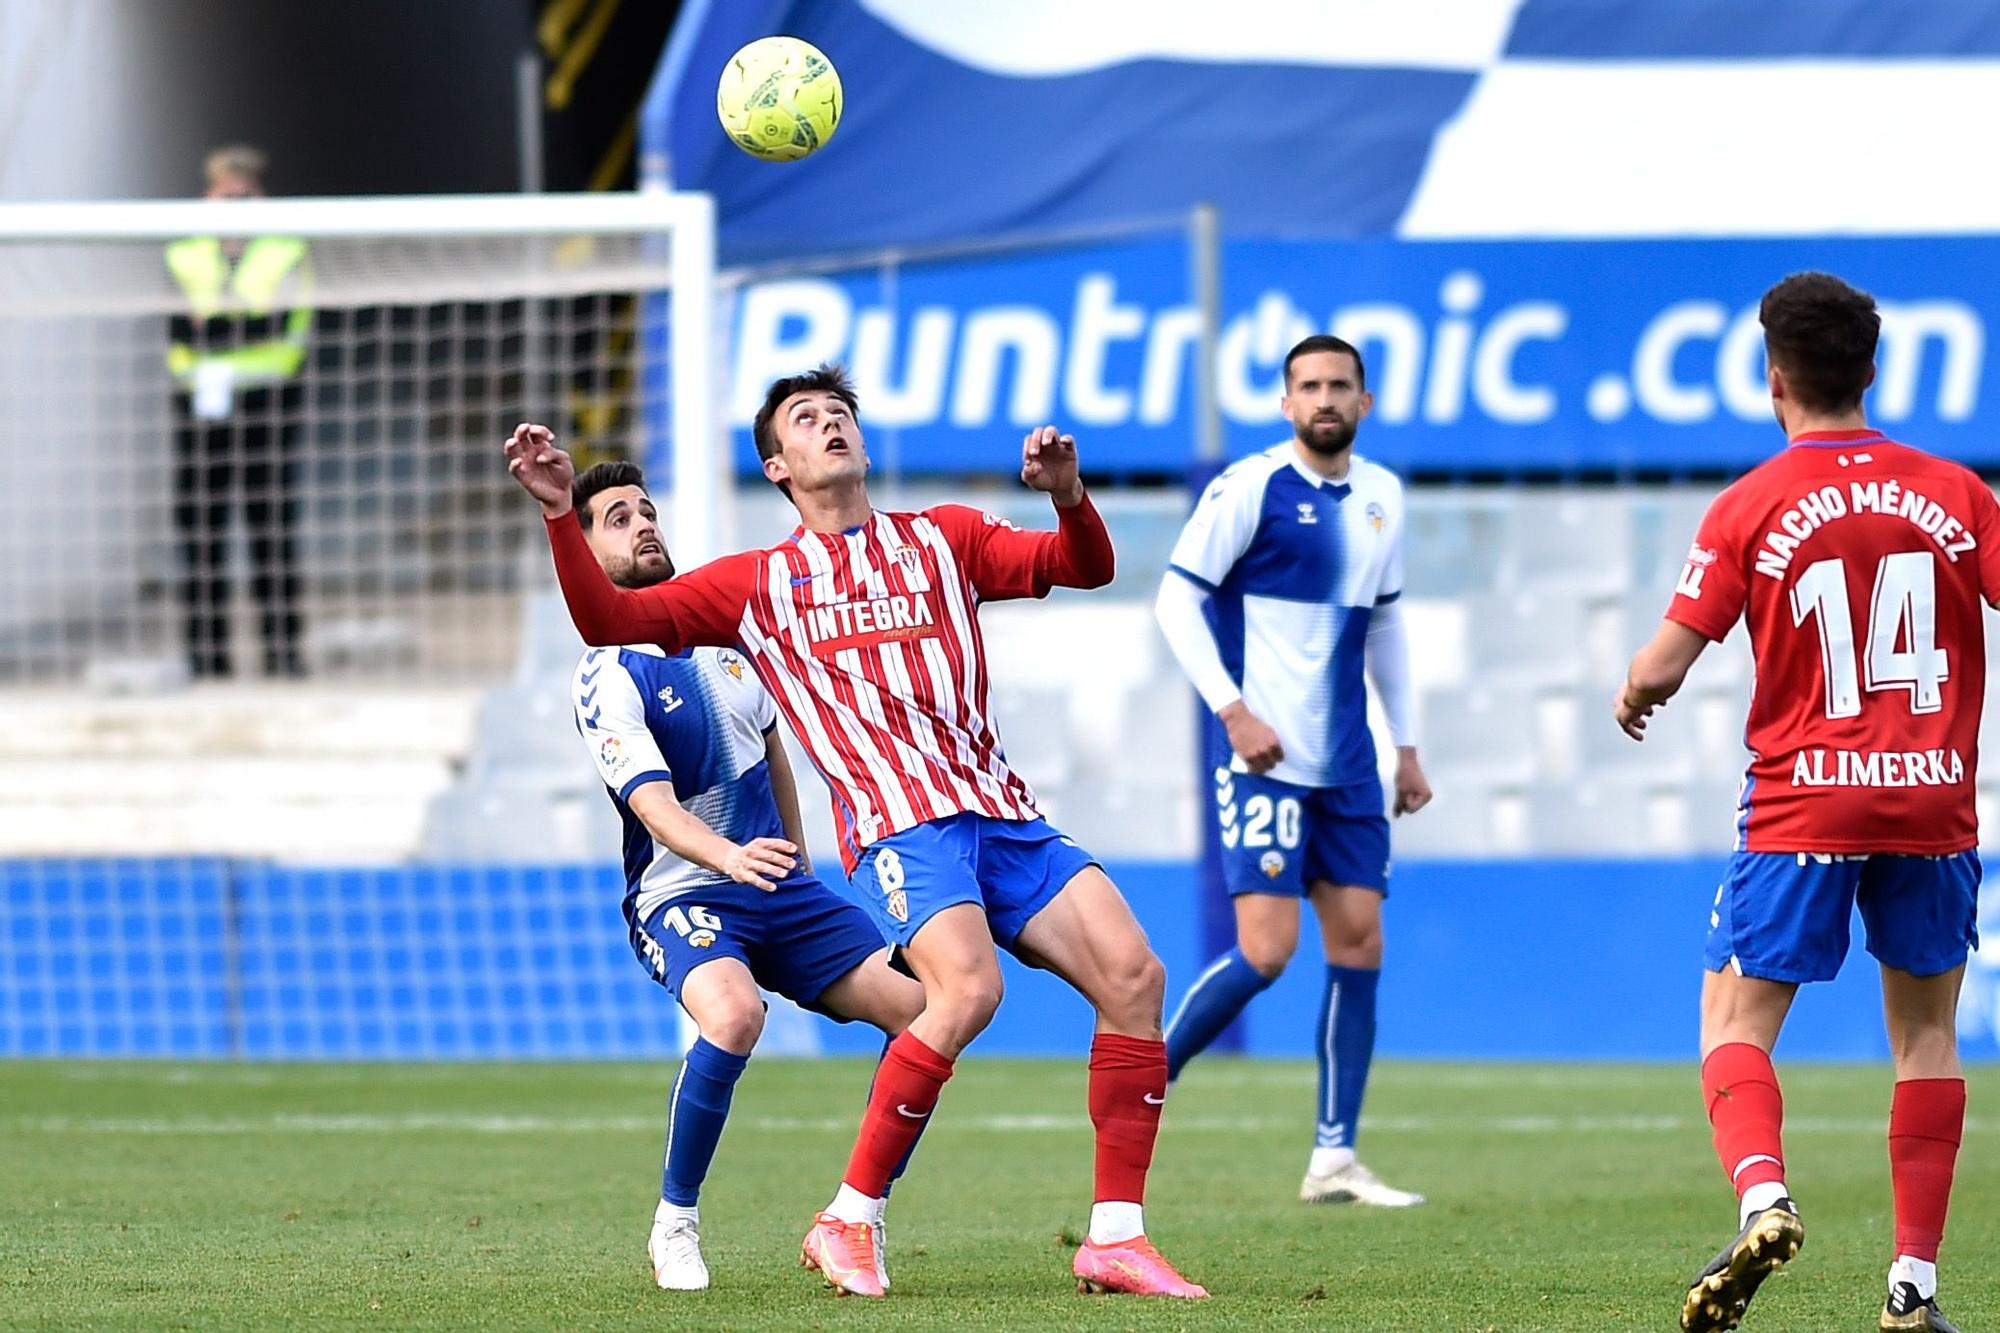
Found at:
(779, 98)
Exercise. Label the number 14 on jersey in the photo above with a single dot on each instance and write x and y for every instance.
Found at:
(1903, 610)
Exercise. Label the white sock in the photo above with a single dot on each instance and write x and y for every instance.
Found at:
(1111, 1223)
(673, 1212)
(851, 1205)
(1326, 1161)
(1757, 1198)
(879, 1211)
(1919, 1271)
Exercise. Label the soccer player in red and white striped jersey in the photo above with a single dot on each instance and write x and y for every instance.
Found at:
(863, 624)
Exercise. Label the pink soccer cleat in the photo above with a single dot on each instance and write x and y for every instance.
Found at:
(1132, 1267)
(844, 1253)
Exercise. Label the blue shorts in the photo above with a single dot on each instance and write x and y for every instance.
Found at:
(796, 940)
(1281, 838)
(1783, 916)
(1011, 868)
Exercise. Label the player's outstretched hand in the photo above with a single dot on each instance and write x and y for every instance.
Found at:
(1251, 737)
(1048, 463)
(762, 862)
(543, 470)
(1632, 716)
(1413, 789)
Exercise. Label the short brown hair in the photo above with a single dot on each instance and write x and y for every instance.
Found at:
(826, 377)
(236, 159)
(1326, 342)
(598, 478)
(1821, 333)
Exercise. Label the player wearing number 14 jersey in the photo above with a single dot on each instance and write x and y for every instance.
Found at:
(1860, 566)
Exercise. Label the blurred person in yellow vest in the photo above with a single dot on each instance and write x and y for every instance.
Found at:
(236, 355)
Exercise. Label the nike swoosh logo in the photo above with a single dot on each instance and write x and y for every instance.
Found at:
(797, 579)
(906, 1111)
(1151, 1100)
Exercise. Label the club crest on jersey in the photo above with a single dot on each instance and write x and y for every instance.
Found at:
(910, 558)
(733, 665)
(669, 700)
(899, 904)
(1377, 515)
(1307, 514)
(702, 939)
(1272, 864)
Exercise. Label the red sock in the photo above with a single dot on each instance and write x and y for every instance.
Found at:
(1747, 1112)
(906, 1092)
(1926, 1120)
(1128, 1086)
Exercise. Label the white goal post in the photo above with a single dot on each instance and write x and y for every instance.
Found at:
(591, 306)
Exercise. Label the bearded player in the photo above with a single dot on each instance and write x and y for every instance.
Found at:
(864, 627)
(719, 898)
(1283, 586)
(1861, 565)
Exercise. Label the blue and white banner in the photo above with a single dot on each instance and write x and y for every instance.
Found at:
(1483, 356)
(1445, 119)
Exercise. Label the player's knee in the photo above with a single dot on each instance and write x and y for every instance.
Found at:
(734, 1027)
(1268, 956)
(1356, 951)
(969, 1001)
(1135, 986)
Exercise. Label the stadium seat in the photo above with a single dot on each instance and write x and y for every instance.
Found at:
(1483, 735)
(1608, 815)
(1572, 541)
(1510, 636)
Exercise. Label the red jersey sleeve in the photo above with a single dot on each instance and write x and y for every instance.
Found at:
(702, 606)
(1714, 582)
(1986, 531)
(1004, 562)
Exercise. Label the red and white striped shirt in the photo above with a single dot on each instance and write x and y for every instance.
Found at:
(869, 642)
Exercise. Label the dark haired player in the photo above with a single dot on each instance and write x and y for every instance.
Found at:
(1284, 584)
(719, 898)
(1861, 565)
(864, 626)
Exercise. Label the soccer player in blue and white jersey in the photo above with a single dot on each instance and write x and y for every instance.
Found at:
(1283, 584)
(719, 897)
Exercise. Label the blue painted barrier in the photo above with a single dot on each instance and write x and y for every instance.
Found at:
(207, 958)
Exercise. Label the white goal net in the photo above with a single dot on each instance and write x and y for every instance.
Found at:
(261, 437)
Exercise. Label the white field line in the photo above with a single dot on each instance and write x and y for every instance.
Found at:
(374, 1123)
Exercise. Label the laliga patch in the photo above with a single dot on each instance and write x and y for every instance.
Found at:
(899, 904)
(1272, 864)
(611, 752)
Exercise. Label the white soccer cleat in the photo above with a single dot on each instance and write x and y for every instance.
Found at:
(1355, 1183)
(675, 1248)
(882, 1250)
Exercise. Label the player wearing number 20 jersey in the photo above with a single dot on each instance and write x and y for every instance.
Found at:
(1861, 566)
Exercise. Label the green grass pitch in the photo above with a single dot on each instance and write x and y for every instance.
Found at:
(1562, 1197)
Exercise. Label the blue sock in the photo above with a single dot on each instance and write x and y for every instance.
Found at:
(695, 1116)
(908, 1152)
(1346, 1042)
(1210, 1005)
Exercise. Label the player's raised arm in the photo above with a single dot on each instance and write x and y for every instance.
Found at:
(700, 607)
(1005, 562)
